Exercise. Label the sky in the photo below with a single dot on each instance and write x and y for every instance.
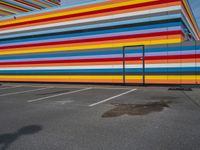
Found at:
(195, 4)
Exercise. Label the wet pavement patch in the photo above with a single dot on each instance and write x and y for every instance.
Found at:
(180, 89)
(136, 109)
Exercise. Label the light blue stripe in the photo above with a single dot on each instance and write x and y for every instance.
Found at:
(96, 25)
(174, 28)
(65, 58)
(65, 54)
(93, 33)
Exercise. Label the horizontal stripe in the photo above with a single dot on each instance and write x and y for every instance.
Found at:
(183, 65)
(91, 33)
(108, 52)
(171, 77)
(79, 11)
(85, 13)
(93, 19)
(130, 9)
(176, 40)
(103, 59)
(128, 70)
(102, 39)
(106, 73)
(92, 25)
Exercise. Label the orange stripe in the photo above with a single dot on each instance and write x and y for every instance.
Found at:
(65, 80)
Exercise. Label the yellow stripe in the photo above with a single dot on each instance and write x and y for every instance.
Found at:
(128, 77)
(166, 41)
(74, 11)
(132, 77)
(171, 77)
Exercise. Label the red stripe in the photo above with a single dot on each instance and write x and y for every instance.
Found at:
(103, 59)
(62, 61)
(173, 57)
(94, 39)
(92, 12)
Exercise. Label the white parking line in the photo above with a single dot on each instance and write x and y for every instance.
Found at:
(113, 97)
(111, 88)
(71, 92)
(23, 92)
(10, 87)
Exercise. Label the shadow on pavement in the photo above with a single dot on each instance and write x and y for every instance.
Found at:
(8, 138)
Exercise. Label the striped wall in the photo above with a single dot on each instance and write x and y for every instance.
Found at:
(115, 41)
(172, 64)
(13, 7)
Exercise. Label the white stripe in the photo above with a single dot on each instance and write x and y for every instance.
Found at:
(96, 19)
(108, 99)
(23, 92)
(169, 65)
(172, 65)
(104, 66)
(64, 67)
(10, 87)
(71, 92)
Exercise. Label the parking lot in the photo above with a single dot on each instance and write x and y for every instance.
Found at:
(37, 116)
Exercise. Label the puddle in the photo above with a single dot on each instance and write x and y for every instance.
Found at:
(56, 92)
(136, 109)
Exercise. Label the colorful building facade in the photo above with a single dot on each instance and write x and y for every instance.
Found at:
(13, 7)
(112, 41)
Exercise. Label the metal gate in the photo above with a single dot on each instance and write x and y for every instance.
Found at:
(133, 65)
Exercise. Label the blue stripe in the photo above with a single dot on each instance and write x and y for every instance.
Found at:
(174, 48)
(159, 18)
(178, 70)
(92, 33)
(129, 70)
(61, 54)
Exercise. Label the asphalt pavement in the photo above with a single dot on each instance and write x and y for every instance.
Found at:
(98, 117)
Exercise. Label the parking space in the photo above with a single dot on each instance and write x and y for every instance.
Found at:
(60, 116)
